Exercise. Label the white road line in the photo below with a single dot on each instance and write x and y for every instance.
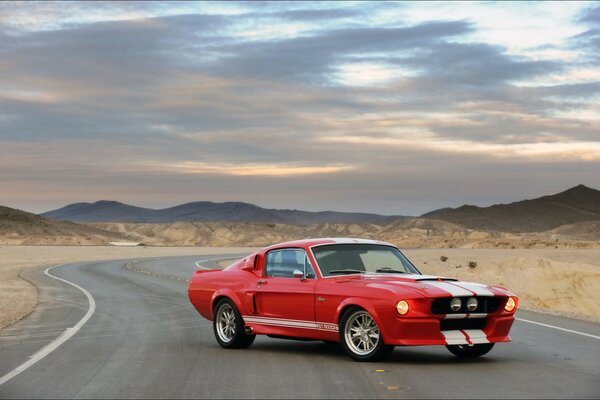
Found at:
(558, 328)
(200, 266)
(67, 334)
(197, 263)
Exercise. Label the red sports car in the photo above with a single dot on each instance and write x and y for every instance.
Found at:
(364, 294)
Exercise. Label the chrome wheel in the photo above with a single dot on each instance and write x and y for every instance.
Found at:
(361, 333)
(228, 326)
(226, 323)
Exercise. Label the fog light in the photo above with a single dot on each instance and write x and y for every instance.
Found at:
(455, 304)
(511, 304)
(472, 304)
(402, 307)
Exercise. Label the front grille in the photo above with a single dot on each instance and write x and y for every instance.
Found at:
(466, 323)
(485, 305)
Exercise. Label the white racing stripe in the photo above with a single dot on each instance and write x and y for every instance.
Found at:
(465, 336)
(454, 337)
(479, 290)
(455, 291)
(67, 334)
(559, 328)
(476, 336)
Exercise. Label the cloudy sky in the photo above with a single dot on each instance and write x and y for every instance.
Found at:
(395, 108)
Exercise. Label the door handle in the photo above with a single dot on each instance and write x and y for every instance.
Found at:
(261, 282)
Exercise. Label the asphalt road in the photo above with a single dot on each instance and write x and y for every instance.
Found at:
(143, 339)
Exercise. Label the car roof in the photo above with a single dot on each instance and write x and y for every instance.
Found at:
(322, 241)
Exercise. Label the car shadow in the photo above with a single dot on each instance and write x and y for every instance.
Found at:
(426, 355)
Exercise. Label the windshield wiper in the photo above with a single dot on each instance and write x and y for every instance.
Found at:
(389, 270)
(346, 271)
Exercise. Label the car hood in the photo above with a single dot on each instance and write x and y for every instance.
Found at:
(425, 285)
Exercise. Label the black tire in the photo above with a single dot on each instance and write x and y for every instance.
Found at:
(228, 326)
(365, 347)
(470, 350)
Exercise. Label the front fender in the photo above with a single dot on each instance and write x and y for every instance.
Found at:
(381, 311)
(357, 302)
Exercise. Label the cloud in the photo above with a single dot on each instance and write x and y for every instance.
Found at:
(589, 40)
(335, 102)
(538, 151)
(264, 170)
(590, 15)
(309, 58)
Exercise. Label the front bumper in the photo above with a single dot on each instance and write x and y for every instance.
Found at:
(427, 331)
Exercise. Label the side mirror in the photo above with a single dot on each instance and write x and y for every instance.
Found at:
(307, 274)
(298, 274)
(250, 263)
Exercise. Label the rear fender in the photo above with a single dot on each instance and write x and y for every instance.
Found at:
(231, 295)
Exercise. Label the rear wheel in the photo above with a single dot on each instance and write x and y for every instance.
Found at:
(228, 326)
(360, 336)
(470, 350)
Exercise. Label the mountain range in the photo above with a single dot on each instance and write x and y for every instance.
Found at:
(578, 204)
(572, 215)
(206, 211)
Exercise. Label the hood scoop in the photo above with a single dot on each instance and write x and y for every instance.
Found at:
(436, 279)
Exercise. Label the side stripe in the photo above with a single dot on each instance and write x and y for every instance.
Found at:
(291, 323)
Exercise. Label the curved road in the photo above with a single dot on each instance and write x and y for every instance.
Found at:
(145, 340)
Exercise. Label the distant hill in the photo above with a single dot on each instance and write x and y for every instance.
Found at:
(578, 204)
(589, 230)
(412, 232)
(206, 211)
(23, 228)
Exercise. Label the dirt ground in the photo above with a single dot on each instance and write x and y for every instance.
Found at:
(559, 281)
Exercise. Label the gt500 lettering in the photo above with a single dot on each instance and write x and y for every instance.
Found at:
(329, 327)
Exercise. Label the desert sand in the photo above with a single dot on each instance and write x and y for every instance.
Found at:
(560, 281)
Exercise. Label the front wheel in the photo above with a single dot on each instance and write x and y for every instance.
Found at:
(470, 350)
(360, 336)
(228, 326)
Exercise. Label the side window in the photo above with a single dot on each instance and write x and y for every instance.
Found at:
(283, 263)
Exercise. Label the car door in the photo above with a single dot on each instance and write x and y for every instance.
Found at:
(282, 299)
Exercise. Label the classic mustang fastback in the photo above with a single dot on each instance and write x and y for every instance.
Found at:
(364, 294)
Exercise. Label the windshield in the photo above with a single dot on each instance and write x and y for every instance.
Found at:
(340, 259)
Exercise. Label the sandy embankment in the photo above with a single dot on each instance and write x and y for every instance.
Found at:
(18, 297)
(560, 281)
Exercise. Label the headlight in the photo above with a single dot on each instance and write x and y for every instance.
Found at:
(472, 304)
(402, 307)
(455, 304)
(511, 304)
